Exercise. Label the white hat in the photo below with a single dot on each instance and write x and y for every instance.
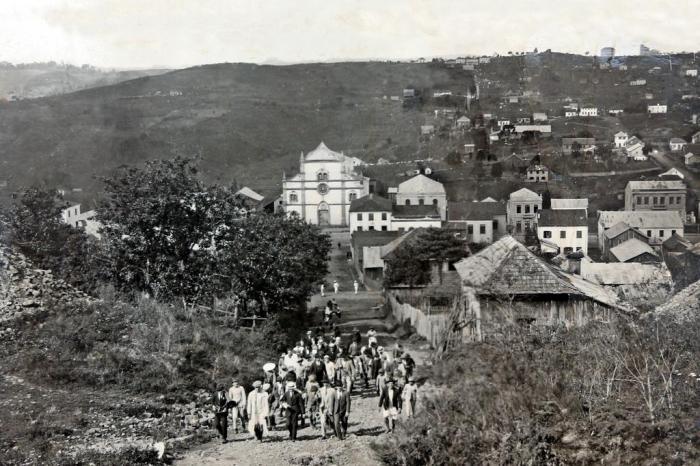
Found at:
(257, 383)
(266, 386)
(270, 366)
(291, 384)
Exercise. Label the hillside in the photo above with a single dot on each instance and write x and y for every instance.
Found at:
(247, 122)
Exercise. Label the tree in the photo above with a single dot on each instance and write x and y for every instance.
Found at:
(454, 158)
(497, 170)
(546, 199)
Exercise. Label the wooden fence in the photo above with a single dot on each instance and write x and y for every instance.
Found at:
(431, 327)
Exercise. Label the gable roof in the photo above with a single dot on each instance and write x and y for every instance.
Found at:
(386, 251)
(421, 184)
(414, 211)
(630, 249)
(508, 268)
(621, 133)
(672, 172)
(563, 204)
(677, 141)
(524, 194)
(692, 149)
(562, 218)
(617, 273)
(361, 239)
(371, 203)
(616, 230)
(656, 184)
(676, 243)
(247, 192)
(474, 210)
(323, 154)
(641, 219)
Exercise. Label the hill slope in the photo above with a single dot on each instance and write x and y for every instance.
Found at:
(247, 122)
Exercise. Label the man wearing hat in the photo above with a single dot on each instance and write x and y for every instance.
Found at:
(237, 394)
(327, 405)
(330, 367)
(342, 411)
(409, 395)
(390, 403)
(221, 406)
(380, 382)
(293, 406)
(258, 410)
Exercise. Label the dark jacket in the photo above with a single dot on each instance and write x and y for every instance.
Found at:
(295, 403)
(384, 401)
(342, 405)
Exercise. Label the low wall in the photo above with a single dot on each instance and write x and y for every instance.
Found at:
(430, 327)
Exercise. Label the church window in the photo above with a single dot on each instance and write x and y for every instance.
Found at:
(293, 198)
(322, 175)
(421, 201)
(408, 202)
(322, 188)
(353, 196)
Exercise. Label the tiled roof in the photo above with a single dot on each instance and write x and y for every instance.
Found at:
(524, 194)
(569, 204)
(360, 239)
(630, 249)
(247, 192)
(414, 211)
(676, 243)
(656, 184)
(474, 210)
(641, 219)
(421, 184)
(323, 153)
(562, 218)
(617, 273)
(678, 141)
(692, 148)
(616, 230)
(371, 203)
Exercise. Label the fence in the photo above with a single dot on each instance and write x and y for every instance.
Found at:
(431, 327)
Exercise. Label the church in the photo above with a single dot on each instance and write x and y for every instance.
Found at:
(325, 186)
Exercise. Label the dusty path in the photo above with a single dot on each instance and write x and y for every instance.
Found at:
(362, 310)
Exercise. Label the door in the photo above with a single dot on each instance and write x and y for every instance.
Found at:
(324, 214)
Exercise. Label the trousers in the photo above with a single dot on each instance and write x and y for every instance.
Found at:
(221, 423)
(292, 419)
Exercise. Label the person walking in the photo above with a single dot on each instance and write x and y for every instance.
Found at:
(237, 394)
(221, 406)
(343, 411)
(409, 397)
(390, 404)
(380, 382)
(323, 288)
(258, 410)
(356, 286)
(327, 406)
(293, 406)
(335, 286)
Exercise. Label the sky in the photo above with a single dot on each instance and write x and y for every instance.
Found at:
(129, 34)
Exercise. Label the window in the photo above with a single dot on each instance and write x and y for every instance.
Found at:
(661, 233)
(322, 176)
(75, 212)
(562, 234)
(383, 215)
(68, 213)
(656, 200)
(482, 229)
(517, 209)
(527, 209)
(322, 189)
(353, 196)
(579, 234)
(646, 200)
(678, 200)
(568, 250)
(371, 228)
(673, 232)
(384, 228)
(370, 217)
(534, 208)
(470, 229)
(670, 200)
(518, 227)
(638, 200)
(547, 234)
(293, 198)
(662, 200)
(648, 233)
(408, 202)
(359, 228)
(402, 229)
(421, 201)
(435, 202)
(359, 217)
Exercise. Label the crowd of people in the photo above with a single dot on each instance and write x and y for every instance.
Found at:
(312, 383)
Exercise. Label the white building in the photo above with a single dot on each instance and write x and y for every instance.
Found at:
(657, 108)
(677, 144)
(638, 82)
(410, 217)
(588, 112)
(570, 113)
(635, 149)
(370, 213)
(539, 116)
(569, 204)
(73, 216)
(522, 209)
(658, 226)
(563, 231)
(621, 139)
(537, 174)
(323, 189)
(693, 73)
(421, 190)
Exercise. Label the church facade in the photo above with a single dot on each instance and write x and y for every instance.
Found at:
(323, 189)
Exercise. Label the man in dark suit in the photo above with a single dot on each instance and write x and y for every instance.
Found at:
(343, 411)
(390, 403)
(294, 407)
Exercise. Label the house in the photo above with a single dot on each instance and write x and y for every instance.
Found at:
(615, 112)
(501, 122)
(569, 204)
(626, 276)
(657, 226)
(409, 93)
(692, 73)
(638, 82)
(618, 234)
(537, 174)
(672, 173)
(72, 215)
(523, 120)
(324, 188)
(408, 217)
(656, 195)
(543, 129)
(448, 113)
(463, 122)
(370, 212)
(695, 139)
(522, 208)
(563, 231)
(539, 116)
(582, 145)
(366, 252)
(692, 161)
(633, 250)
(635, 149)
(272, 204)
(570, 113)
(427, 130)
(505, 285)
(250, 199)
(621, 139)
(588, 111)
(657, 108)
(421, 190)
(477, 222)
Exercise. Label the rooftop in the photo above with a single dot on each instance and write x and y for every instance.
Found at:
(371, 203)
(485, 210)
(614, 274)
(414, 211)
(247, 192)
(524, 194)
(421, 184)
(616, 230)
(656, 184)
(323, 154)
(630, 249)
(641, 218)
(562, 204)
(562, 218)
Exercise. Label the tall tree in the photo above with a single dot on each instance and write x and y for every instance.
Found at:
(497, 170)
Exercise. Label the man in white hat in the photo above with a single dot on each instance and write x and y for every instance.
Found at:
(258, 410)
(335, 286)
(409, 396)
(237, 393)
